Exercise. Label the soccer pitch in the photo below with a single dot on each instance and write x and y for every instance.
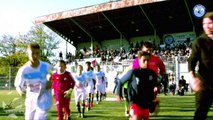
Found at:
(171, 108)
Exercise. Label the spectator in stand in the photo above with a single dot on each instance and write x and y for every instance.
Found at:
(166, 53)
(97, 50)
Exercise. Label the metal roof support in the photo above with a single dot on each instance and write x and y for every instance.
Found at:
(150, 22)
(155, 38)
(190, 16)
(82, 28)
(121, 40)
(147, 17)
(115, 26)
(61, 35)
(91, 47)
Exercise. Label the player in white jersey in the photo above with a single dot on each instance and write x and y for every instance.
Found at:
(80, 91)
(99, 83)
(34, 80)
(90, 78)
(105, 85)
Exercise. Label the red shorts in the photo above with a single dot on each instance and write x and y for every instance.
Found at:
(137, 110)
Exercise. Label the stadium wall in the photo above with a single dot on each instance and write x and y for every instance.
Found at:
(118, 43)
(150, 38)
(179, 38)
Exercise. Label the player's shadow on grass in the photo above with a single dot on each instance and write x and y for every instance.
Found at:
(55, 113)
(7, 112)
(101, 117)
(171, 117)
(175, 117)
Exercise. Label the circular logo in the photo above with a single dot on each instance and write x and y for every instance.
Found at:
(199, 10)
(168, 39)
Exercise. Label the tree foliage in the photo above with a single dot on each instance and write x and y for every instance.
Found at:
(46, 39)
(13, 49)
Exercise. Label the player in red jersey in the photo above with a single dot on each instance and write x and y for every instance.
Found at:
(155, 62)
(63, 84)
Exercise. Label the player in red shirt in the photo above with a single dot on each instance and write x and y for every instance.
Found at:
(155, 64)
(62, 84)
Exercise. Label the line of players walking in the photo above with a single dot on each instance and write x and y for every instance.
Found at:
(88, 83)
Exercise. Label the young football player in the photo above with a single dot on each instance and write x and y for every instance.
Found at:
(34, 80)
(90, 78)
(141, 87)
(99, 83)
(63, 84)
(80, 91)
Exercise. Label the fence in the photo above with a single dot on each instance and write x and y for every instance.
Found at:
(176, 66)
(7, 77)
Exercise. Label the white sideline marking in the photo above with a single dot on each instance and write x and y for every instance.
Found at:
(111, 99)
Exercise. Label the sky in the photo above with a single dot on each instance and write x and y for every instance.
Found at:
(17, 16)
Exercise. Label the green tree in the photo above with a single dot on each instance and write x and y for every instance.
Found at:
(12, 54)
(7, 45)
(13, 49)
(46, 39)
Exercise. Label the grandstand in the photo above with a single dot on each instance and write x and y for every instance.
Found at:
(125, 21)
(121, 25)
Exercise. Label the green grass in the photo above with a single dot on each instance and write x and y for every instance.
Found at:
(171, 108)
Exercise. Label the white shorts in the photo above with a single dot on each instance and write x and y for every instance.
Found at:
(32, 112)
(104, 89)
(80, 95)
(90, 89)
(99, 88)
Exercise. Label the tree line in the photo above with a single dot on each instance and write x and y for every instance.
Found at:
(13, 48)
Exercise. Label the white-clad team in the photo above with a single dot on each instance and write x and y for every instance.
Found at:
(88, 82)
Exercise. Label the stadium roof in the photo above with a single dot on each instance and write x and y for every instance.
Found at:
(125, 19)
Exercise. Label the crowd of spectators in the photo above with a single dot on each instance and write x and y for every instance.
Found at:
(166, 53)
